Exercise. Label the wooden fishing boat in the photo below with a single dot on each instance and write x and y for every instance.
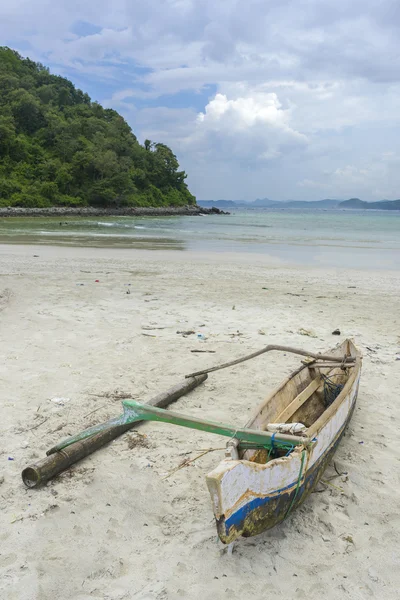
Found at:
(276, 460)
(254, 489)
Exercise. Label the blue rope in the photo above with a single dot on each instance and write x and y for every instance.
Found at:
(290, 450)
(272, 447)
(303, 456)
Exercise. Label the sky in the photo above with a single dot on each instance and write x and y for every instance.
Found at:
(288, 99)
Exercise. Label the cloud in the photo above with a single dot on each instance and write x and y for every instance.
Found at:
(253, 127)
(285, 99)
(310, 183)
(376, 179)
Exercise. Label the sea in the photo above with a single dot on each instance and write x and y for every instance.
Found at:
(319, 237)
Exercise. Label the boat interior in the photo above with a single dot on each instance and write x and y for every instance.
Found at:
(302, 398)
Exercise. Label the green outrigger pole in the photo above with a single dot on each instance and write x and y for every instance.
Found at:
(135, 411)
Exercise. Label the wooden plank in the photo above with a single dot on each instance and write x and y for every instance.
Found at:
(323, 365)
(298, 401)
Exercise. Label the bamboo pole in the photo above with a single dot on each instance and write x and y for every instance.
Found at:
(331, 357)
(58, 461)
(135, 411)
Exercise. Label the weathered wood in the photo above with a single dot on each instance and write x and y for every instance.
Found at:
(298, 401)
(330, 357)
(324, 365)
(56, 462)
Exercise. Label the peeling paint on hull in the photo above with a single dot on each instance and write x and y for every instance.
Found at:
(261, 514)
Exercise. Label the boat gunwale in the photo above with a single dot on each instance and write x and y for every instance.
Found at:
(326, 416)
(333, 408)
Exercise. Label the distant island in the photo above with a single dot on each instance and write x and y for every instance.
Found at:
(353, 203)
(60, 149)
(361, 204)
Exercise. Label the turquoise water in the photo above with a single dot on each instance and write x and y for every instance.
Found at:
(320, 237)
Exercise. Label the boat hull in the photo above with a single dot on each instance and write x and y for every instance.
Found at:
(250, 498)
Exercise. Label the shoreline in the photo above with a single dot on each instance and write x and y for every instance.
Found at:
(91, 211)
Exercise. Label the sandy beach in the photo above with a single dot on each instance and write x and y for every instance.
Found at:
(114, 526)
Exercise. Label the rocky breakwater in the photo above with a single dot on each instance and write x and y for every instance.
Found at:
(90, 211)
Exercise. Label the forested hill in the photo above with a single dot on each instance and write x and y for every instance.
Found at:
(57, 147)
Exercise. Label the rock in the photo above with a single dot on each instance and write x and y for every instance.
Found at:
(218, 211)
(307, 332)
(336, 332)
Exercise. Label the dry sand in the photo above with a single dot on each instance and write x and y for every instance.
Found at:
(112, 527)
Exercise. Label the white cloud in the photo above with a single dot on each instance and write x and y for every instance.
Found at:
(253, 127)
(243, 113)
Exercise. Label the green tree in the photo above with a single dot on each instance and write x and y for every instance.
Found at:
(27, 111)
(7, 134)
(58, 147)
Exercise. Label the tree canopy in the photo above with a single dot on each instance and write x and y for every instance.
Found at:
(57, 147)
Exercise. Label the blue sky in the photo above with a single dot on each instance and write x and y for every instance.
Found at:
(294, 99)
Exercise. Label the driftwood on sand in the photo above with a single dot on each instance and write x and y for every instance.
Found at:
(330, 357)
(58, 461)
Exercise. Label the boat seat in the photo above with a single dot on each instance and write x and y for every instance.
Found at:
(289, 411)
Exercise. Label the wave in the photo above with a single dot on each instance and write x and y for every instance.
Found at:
(118, 225)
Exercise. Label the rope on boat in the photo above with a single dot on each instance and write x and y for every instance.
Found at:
(331, 389)
(270, 446)
(279, 446)
(303, 456)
